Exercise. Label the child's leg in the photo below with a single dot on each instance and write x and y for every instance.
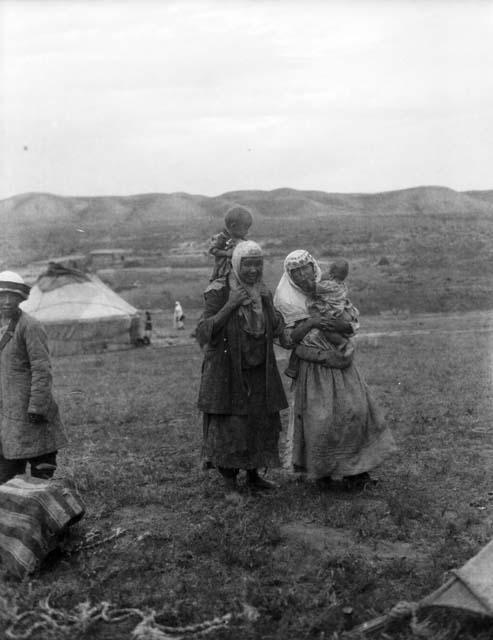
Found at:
(292, 369)
(335, 338)
(10, 468)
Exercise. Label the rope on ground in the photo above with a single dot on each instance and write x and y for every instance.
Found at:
(403, 609)
(400, 610)
(59, 623)
(89, 543)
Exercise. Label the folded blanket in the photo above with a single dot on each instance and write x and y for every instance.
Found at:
(34, 514)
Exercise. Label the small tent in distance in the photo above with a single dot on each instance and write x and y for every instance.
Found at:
(80, 313)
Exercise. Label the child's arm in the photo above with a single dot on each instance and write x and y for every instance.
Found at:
(327, 287)
(218, 245)
(221, 252)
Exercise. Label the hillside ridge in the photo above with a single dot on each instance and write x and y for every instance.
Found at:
(38, 225)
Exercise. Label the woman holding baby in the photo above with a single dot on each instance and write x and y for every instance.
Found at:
(338, 432)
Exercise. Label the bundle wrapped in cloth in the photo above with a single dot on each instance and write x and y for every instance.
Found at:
(34, 515)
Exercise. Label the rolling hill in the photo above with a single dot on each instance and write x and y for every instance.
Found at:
(40, 225)
(438, 243)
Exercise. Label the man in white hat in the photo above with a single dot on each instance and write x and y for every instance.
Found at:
(30, 426)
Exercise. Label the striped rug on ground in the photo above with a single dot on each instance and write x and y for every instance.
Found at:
(33, 515)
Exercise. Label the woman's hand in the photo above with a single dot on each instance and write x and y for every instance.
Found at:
(303, 327)
(316, 323)
(237, 297)
(309, 286)
(335, 324)
(264, 291)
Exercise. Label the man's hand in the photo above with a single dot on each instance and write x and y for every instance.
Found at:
(36, 418)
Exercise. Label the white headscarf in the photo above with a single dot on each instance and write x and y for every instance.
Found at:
(251, 313)
(289, 299)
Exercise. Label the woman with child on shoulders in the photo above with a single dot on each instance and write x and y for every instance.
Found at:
(241, 392)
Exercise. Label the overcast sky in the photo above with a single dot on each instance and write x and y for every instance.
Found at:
(207, 96)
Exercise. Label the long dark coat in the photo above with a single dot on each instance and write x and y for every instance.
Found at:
(222, 389)
(25, 387)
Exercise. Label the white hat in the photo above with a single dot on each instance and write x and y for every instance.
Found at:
(11, 281)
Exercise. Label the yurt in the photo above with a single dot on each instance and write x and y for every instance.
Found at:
(80, 313)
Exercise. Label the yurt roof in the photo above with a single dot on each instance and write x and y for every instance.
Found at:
(62, 294)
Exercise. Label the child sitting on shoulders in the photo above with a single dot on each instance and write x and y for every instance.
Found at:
(237, 223)
(329, 300)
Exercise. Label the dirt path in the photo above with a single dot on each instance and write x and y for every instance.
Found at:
(373, 328)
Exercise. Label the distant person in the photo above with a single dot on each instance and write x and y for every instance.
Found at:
(178, 317)
(328, 300)
(237, 223)
(148, 328)
(338, 432)
(31, 429)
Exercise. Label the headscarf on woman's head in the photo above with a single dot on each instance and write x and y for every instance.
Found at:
(289, 299)
(251, 313)
(245, 249)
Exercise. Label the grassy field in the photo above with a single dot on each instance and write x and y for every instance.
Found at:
(437, 260)
(298, 556)
(373, 288)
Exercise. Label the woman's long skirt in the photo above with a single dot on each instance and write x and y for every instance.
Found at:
(244, 441)
(338, 429)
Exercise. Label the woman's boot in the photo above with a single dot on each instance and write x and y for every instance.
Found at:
(229, 478)
(359, 482)
(254, 481)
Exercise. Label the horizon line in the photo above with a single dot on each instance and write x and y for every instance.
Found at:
(231, 191)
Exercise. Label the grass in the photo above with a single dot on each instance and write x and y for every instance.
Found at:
(435, 263)
(191, 553)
